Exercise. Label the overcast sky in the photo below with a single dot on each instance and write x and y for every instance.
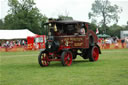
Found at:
(78, 9)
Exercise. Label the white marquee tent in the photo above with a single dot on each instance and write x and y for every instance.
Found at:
(15, 34)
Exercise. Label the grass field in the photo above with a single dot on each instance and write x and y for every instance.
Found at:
(22, 68)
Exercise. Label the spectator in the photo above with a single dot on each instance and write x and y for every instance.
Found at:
(122, 43)
(7, 43)
(126, 40)
(107, 42)
(23, 42)
(103, 41)
(0, 43)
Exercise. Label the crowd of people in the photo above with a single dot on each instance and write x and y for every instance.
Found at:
(113, 42)
(12, 43)
(104, 43)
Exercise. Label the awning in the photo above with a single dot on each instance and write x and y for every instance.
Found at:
(15, 34)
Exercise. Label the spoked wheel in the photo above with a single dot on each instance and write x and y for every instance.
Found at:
(93, 53)
(66, 58)
(43, 59)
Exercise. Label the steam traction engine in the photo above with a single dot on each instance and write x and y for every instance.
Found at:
(64, 40)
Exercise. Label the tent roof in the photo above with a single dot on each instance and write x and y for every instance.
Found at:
(103, 36)
(15, 34)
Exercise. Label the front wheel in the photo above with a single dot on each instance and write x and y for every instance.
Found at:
(43, 59)
(66, 58)
(93, 53)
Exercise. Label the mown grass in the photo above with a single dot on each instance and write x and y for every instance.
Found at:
(22, 68)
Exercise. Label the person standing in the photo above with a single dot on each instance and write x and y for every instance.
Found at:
(122, 43)
(103, 43)
(126, 40)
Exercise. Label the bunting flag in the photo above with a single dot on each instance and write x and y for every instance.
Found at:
(97, 31)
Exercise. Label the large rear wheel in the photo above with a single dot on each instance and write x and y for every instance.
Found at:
(66, 58)
(43, 59)
(93, 53)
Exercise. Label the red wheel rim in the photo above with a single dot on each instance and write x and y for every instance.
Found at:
(95, 53)
(45, 59)
(68, 58)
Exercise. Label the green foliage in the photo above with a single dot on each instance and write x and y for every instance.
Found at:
(1, 24)
(62, 17)
(127, 23)
(104, 9)
(44, 29)
(114, 30)
(24, 15)
(93, 27)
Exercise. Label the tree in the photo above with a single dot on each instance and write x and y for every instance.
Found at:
(93, 26)
(115, 30)
(62, 17)
(65, 16)
(44, 29)
(126, 27)
(1, 24)
(24, 15)
(104, 9)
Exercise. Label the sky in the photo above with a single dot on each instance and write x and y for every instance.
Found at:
(78, 9)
